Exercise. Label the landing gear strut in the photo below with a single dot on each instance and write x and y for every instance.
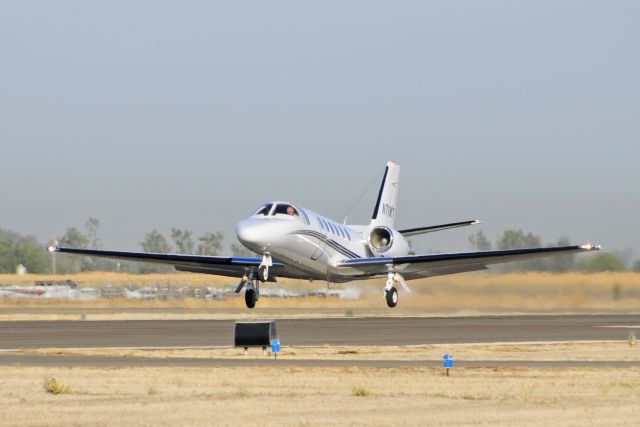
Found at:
(390, 292)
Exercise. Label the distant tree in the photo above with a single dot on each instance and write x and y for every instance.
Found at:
(155, 242)
(636, 265)
(73, 238)
(29, 252)
(517, 239)
(183, 241)
(210, 243)
(16, 249)
(240, 251)
(560, 263)
(479, 241)
(603, 261)
(92, 226)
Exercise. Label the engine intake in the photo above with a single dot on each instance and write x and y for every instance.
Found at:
(380, 239)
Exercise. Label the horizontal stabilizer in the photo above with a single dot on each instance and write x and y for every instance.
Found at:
(408, 232)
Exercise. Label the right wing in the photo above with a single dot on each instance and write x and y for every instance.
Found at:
(417, 266)
(219, 265)
(407, 232)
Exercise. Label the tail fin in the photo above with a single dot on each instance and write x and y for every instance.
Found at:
(385, 211)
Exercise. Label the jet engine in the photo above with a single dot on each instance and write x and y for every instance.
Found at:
(384, 241)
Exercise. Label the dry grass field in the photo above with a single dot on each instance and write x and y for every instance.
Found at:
(569, 351)
(473, 293)
(325, 396)
(291, 396)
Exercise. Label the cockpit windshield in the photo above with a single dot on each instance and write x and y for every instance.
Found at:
(279, 209)
(286, 209)
(264, 210)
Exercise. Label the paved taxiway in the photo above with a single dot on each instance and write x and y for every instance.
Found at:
(253, 360)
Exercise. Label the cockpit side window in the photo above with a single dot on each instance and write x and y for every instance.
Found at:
(285, 209)
(264, 210)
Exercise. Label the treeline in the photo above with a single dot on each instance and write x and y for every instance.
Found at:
(518, 239)
(16, 249)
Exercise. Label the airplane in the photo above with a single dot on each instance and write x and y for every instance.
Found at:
(295, 242)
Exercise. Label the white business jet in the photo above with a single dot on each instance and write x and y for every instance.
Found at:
(297, 243)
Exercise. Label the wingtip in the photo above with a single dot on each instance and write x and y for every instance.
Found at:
(590, 247)
(52, 248)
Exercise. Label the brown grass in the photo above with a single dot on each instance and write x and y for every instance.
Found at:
(458, 294)
(292, 396)
(570, 351)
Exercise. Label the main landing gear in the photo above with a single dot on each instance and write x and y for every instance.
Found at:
(252, 281)
(252, 293)
(391, 296)
(250, 297)
(390, 292)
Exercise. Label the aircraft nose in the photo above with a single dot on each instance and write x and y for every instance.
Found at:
(253, 233)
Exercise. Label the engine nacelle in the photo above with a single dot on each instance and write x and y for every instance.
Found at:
(384, 241)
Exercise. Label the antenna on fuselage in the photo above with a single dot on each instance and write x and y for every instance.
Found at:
(373, 182)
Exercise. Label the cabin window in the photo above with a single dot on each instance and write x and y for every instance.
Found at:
(305, 216)
(333, 229)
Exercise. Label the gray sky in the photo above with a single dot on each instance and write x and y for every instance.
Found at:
(152, 114)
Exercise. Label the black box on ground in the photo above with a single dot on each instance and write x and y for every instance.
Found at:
(254, 333)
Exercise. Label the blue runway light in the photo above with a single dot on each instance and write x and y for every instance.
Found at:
(448, 362)
(275, 347)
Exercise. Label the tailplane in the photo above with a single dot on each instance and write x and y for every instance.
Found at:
(384, 213)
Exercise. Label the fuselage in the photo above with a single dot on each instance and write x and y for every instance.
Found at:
(305, 240)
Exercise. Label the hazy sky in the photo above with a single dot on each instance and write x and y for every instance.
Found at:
(150, 114)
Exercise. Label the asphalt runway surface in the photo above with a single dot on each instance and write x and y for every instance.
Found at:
(319, 331)
(305, 332)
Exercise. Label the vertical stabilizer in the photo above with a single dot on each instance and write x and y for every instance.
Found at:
(385, 211)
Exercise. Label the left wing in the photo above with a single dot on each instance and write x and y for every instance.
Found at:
(417, 266)
(219, 265)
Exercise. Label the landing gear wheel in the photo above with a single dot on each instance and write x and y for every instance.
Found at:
(263, 273)
(250, 298)
(392, 297)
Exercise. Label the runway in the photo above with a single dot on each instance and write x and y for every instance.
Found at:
(398, 331)
(319, 331)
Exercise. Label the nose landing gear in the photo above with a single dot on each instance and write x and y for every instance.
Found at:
(263, 269)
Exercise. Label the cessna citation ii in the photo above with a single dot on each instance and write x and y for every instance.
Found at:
(297, 243)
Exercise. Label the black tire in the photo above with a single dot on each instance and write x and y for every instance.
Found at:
(392, 297)
(250, 298)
